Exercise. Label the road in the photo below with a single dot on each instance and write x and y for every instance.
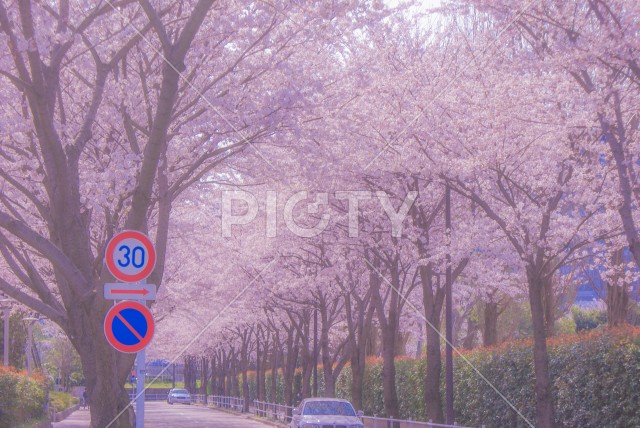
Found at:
(159, 414)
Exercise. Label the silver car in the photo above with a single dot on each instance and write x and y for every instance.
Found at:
(179, 396)
(325, 413)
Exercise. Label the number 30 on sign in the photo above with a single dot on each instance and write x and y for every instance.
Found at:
(130, 256)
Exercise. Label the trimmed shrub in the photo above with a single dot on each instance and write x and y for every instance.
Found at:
(61, 400)
(595, 375)
(22, 398)
(596, 382)
(588, 319)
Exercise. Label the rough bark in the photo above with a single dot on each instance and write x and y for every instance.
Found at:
(433, 311)
(615, 137)
(545, 413)
(358, 327)
(273, 396)
(289, 363)
(617, 294)
(205, 377)
(469, 340)
(388, 325)
(490, 333)
(214, 375)
(549, 305)
(262, 392)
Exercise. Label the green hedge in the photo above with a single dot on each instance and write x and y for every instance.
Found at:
(596, 383)
(61, 400)
(22, 398)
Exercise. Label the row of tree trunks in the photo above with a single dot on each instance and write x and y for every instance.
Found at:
(289, 362)
(388, 319)
(359, 320)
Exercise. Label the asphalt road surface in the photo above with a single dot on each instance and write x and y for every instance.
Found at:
(159, 414)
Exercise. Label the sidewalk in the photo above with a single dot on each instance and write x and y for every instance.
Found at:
(78, 419)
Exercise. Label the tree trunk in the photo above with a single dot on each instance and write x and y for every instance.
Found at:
(243, 367)
(235, 384)
(358, 349)
(389, 376)
(258, 367)
(205, 378)
(617, 304)
(389, 327)
(617, 293)
(327, 361)
(273, 398)
(214, 375)
(306, 374)
(432, 397)
(107, 396)
(228, 388)
(469, 340)
(433, 299)
(262, 393)
(289, 365)
(222, 373)
(545, 413)
(549, 305)
(625, 183)
(490, 334)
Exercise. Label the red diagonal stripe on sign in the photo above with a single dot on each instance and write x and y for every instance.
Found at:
(129, 326)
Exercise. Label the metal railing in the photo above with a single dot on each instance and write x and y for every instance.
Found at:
(197, 398)
(278, 412)
(283, 413)
(233, 403)
(150, 397)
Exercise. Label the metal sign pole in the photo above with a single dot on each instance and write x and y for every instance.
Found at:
(130, 257)
(140, 373)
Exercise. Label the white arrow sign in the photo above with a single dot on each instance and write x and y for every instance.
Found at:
(120, 291)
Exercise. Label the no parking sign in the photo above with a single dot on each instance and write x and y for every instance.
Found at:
(129, 326)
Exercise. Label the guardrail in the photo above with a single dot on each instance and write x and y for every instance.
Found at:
(278, 412)
(150, 397)
(198, 398)
(283, 413)
(226, 402)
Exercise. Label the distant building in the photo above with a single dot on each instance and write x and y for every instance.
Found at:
(593, 290)
(156, 367)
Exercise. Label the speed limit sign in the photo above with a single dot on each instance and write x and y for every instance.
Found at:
(130, 256)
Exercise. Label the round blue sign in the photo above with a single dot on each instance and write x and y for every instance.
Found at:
(129, 326)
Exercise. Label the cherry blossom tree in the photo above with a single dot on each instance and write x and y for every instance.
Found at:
(122, 106)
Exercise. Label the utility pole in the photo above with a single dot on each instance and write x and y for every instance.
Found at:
(141, 372)
(5, 306)
(173, 381)
(315, 352)
(450, 416)
(29, 351)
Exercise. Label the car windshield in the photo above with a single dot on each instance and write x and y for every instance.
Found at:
(328, 408)
(180, 391)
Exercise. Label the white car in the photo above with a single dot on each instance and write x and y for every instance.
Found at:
(179, 396)
(325, 413)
